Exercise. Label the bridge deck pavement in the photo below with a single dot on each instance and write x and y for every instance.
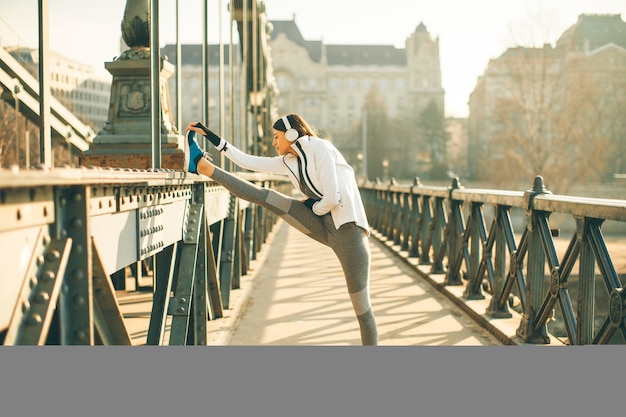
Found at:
(295, 294)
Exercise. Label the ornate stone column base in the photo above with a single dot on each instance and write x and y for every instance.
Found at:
(126, 140)
(136, 156)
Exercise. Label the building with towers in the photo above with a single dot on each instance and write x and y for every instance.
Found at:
(328, 83)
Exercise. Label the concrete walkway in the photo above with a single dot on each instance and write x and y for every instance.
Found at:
(296, 295)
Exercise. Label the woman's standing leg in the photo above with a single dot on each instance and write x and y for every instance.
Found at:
(351, 245)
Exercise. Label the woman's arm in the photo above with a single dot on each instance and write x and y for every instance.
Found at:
(272, 165)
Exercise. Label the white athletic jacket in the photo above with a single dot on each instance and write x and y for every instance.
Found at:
(325, 170)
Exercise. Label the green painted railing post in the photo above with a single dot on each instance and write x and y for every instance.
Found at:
(497, 309)
(535, 277)
(425, 227)
(228, 251)
(586, 283)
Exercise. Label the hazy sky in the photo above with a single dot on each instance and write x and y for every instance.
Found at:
(470, 32)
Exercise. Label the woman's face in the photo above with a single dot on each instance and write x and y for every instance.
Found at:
(280, 143)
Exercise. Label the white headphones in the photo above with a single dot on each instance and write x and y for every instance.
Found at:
(291, 134)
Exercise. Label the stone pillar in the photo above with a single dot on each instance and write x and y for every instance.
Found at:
(126, 141)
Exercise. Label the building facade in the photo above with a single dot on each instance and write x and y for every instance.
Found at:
(223, 95)
(328, 84)
(541, 109)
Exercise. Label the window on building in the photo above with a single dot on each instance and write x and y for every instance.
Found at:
(284, 83)
(350, 103)
(400, 104)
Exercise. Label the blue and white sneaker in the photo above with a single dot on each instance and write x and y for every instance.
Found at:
(193, 153)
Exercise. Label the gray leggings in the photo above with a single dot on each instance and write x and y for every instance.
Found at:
(349, 242)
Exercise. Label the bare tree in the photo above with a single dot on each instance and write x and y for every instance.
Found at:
(609, 108)
(7, 136)
(434, 139)
(62, 152)
(546, 122)
(551, 114)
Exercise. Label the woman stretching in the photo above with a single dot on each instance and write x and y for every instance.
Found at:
(332, 212)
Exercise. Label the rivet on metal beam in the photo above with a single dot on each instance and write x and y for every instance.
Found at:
(53, 256)
(78, 301)
(77, 275)
(47, 276)
(41, 297)
(34, 320)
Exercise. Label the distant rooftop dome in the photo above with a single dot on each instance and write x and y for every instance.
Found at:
(593, 31)
(421, 28)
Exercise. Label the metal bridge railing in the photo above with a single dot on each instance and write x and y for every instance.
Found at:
(67, 234)
(468, 235)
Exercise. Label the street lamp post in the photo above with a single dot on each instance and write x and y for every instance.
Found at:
(359, 157)
(385, 169)
(364, 145)
(16, 90)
